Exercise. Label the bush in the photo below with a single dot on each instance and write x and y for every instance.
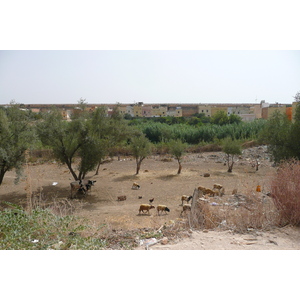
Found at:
(41, 229)
(285, 191)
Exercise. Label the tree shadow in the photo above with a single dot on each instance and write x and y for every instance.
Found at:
(167, 177)
(126, 178)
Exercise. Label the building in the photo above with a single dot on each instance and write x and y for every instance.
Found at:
(137, 110)
(268, 111)
(174, 111)
(159, 110)
(204, 109)
(217, 108)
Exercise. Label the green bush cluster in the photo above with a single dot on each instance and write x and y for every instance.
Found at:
(158, 132)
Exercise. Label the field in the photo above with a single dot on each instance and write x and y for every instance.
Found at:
(158, 179)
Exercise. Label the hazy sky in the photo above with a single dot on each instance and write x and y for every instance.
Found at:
(197, 76)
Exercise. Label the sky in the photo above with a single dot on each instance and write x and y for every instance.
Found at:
(149, 76)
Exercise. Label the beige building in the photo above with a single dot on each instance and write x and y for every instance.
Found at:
(122, 109)
(267, 112)
(257, 111)
(137, 110)
(215, 109)
(204, 109)
(159, 110)
(174, 112)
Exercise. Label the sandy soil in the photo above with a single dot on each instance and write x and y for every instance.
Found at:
(158, 180)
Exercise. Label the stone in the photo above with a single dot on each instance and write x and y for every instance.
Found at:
(164, 241)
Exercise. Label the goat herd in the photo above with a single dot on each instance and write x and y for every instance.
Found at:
(83, 186)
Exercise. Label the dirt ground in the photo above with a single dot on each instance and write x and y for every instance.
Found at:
(159, 180)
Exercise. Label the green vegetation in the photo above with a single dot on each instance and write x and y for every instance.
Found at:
(42, 229)
(16, 135)
(231, 148)
(88, 139)
(158, 132)
(141, 148)
(282, 136)
(177, 149)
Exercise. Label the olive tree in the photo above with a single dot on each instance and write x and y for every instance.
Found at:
(69, 140)
(231, 148)
(141, 148)
(110, 132)
(277, 135)
(177, 149)
(16, 135)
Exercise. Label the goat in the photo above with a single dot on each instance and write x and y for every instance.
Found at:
(220, 191)
(186, 208)
(135, 186)
(206, 191)
(122, 198)
(81, 186)
(162, 208)
(145, 207)
(77, 186)
(186, 198)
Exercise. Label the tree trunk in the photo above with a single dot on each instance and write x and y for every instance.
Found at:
(2, 173)
(230, 163)
(71, 170)
(138, 167)
(98, 167)
(179, 168)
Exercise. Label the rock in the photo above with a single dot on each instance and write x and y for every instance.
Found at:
(164, 241)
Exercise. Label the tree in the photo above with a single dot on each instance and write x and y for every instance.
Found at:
(109, 131)
(231, 148)
(16, 135)
(220, 118)
(234, 119)
(141, 148)
(68, 140)
(297, 97)
(277, 135)
(177, 149)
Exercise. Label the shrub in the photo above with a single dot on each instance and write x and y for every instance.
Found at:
(285, 191)
(41, 229)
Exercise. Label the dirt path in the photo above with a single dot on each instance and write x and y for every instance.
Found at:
(279, 239)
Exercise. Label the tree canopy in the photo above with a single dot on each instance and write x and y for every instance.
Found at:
(16, 135)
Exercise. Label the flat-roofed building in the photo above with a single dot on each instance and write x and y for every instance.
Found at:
(137, 110)
(267, 112)
(215, 109)
(174, 111)
(204, 109)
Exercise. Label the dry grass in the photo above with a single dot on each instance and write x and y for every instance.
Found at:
(243, 213)
(285, 190)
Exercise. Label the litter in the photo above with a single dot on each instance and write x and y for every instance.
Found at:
(54, 183)
(148, 242)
